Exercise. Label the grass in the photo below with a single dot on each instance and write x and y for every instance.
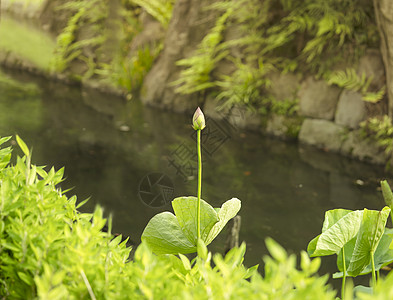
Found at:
(26, 42)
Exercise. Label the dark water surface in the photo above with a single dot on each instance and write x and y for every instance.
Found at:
(108, 146)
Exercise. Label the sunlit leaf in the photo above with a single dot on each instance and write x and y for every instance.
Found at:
(171, 234)
(339, 227)
(22, 145)
(202, 249)
(361, 289)
(387, 193)
(370, 233)
(185, 209)
(276, 250)
(383, 255)
(228, 210)
(164, 235)
(4, 139)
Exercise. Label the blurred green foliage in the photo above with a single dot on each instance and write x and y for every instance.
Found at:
(26, 42)
(350, 80)
(379, 130)
(161, 10)
(86, 40)
(288, 36)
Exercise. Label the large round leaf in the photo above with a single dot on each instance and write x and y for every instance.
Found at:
(339, 227)
(185, 209)
(164, 235)
(172, 234)
(370, 233)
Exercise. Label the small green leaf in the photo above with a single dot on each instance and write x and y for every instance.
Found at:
(26, 278)
(4, 139)
(275, 250)
(228, 210)
(361, 290)
(387, 193)
(23, 146)
(202, 249)
(164, 235)
(185, 261)
(251, 271)
(80, 204)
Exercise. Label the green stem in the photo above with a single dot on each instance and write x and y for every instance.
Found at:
(344, 276)
(391, 213)
(373, 268)
(199, 183)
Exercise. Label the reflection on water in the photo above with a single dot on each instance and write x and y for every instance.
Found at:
(110, 147)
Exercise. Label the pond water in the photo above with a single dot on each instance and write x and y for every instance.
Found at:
(114, 151)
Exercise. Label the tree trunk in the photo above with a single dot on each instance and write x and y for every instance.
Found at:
(384, 18)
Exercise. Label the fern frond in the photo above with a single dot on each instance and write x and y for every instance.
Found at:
(161, 10)
(196, 76)
(375, 97)
(350, 80)
(347, 79)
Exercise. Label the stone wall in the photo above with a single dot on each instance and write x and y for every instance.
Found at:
(329, 117)
(333, 115)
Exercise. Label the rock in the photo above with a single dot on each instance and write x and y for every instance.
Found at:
(351, 109)
(322, 134)
(318, 99)
(284, 86)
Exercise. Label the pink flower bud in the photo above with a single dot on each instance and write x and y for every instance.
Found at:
(198, 120)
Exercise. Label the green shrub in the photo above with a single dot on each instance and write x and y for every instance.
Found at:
(49, 250)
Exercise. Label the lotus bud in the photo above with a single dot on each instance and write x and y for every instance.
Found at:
(198, 120)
